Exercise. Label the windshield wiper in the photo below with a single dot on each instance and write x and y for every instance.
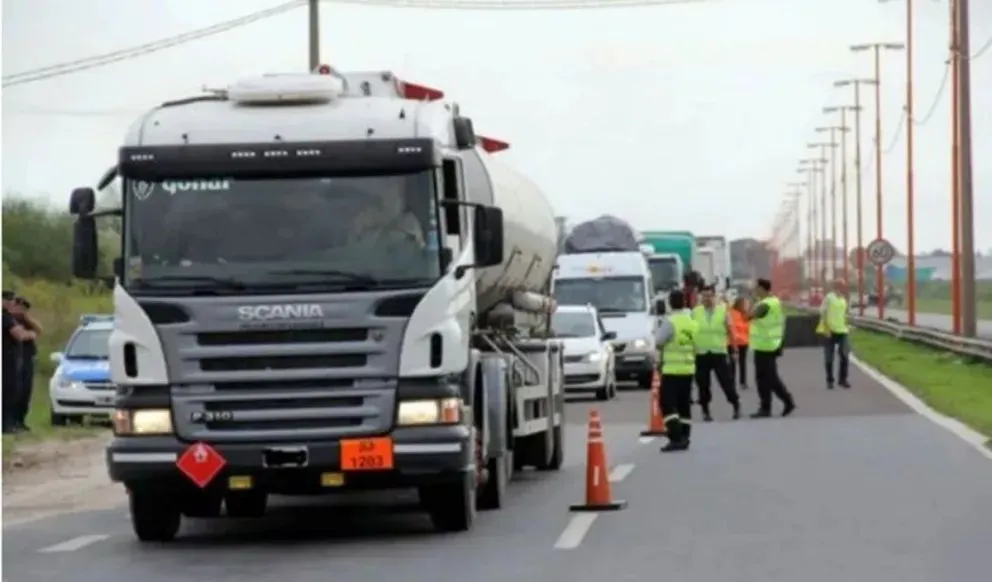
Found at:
(348, 275)
(227, 282)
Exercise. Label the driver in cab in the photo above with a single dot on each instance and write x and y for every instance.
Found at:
(385, 219)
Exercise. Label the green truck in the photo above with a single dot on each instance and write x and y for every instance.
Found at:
(674, 253)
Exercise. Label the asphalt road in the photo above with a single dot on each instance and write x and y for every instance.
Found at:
(853, 487)
(932, 320)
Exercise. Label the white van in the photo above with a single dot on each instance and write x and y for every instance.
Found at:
(618, 285)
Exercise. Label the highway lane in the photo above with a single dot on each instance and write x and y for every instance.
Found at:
(931, 320)
(855, 486)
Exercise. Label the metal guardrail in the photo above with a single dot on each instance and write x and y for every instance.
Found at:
(977, 348)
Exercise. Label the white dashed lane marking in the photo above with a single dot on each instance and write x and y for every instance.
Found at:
(74, 544)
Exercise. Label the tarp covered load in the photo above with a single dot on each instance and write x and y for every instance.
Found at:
(603, 234)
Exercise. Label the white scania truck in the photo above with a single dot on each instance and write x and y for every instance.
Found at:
(326, 283)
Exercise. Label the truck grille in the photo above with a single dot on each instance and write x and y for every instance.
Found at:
(284, 385)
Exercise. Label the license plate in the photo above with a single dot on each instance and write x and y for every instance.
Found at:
(375, 454)
(104, 400)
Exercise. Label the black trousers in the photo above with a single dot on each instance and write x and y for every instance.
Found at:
(768, 380)
(676, 406)
(837, 343)
(738, 365)
(24, 389)
(11, 390)
(719, 364)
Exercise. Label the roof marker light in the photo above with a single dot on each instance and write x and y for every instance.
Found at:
(324, 70)
(420, 92)
(492, 145)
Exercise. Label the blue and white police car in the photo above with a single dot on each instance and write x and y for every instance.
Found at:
(81, 383)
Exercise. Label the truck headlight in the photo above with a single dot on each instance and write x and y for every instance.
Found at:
(640, 344)
(146, 421)
(433, 411)
(594, 356)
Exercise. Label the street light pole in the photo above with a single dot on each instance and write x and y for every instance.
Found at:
(955, 61)
(814, 166)
(823, 208)
(856, 83)
(969, 319)
(833, 197)
(843, 182)
(877, 49)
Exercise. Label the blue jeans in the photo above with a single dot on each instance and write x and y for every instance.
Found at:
(837, 343)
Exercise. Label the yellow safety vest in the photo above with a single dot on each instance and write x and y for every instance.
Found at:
(766, 333)
(679, 352)
(713, 338)
(836, 313)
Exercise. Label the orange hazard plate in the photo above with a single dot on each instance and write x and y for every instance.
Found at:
(375, 454)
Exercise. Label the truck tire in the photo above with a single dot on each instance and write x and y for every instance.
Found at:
(244, 504)
(153, 517)
(493, 493)
(558, 452)
(451, 506)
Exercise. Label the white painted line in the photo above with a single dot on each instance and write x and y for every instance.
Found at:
(74, 544)
(645, 439)
(974, 438)
(620, 472)
(575, 531)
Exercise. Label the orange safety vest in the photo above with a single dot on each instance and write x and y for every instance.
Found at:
(738, 328)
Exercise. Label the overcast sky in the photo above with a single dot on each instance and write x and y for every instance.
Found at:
(673, 117)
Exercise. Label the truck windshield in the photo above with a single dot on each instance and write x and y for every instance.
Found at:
(664, 274)
(608, 294)
(231, 234)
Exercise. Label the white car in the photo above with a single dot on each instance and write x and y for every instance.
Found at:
(81, 383)
(589, 361)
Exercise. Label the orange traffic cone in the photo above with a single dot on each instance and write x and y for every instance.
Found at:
(656, 422)
(598, 495)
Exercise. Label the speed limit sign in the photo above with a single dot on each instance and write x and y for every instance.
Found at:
(880, 252)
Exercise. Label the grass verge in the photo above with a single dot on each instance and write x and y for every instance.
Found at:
(947, 383)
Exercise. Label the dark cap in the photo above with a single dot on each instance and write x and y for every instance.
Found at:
(765, 284)
(8, 295)
(22, 302)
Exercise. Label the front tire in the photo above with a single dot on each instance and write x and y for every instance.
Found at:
(153, 517)
(451, 506)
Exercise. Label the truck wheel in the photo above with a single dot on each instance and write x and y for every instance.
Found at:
(203, 504)
(153, 517)
(451, 506)
(558, 454)
(246, 504)
(493, 493)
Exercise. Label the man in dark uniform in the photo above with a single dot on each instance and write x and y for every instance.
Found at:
(676, 338)
(767, 328)
(13, 334)
(21, 311)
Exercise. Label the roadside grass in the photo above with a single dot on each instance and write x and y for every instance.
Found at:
(945, 307)
(57, 307)
(950, 384)
(935, 297)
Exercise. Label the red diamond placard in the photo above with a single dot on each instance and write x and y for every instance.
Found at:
(201, 463)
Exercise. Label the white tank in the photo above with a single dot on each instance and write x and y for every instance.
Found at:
(530, 237)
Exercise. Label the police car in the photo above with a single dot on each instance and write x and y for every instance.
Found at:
(81, 383)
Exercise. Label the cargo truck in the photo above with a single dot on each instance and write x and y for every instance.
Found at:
(328, 282)
(721, 267)
(666, 244)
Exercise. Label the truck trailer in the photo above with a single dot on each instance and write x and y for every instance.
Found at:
(327, 282)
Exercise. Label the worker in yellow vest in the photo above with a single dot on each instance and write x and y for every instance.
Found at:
(767, 328)
(676, 337)
(713, 352)
(833, 316)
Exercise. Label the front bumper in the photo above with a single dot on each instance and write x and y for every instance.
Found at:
(73, 399)
(635, 366)
(584, 376)
(422, 455)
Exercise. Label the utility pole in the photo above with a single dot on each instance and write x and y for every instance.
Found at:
(856, 83)
(823, 208)
(313, 13)
(969, 319)
(955, 64)
(876, 49)
(813, 166)
(910, 177)
(832, 216)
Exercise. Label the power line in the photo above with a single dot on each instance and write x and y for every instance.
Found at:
(508, 5)
(937, 97)
(978, 54)
(83, 64)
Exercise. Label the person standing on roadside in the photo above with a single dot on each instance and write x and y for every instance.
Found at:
(766, 331)
(29, 350)
(712, 352)
(13, 335)
(676, 338)
(833, 318)
(739, 340)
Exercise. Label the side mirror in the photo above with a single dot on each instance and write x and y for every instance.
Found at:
(82, 201)
(56, 357)
(609, 335)
(85, 253)
(488, 236)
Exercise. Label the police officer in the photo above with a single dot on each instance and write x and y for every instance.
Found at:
(833, 314)
(713, 355)
(13, 335)
(677, 342)
(766, 330)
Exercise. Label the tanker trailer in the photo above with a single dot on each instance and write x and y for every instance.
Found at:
(347, 292)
